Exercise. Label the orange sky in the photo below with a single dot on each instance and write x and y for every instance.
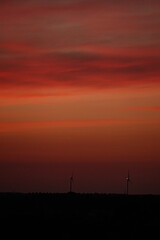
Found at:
(79, 91)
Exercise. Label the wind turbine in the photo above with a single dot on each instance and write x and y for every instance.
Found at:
(71, 181)
(128, 180)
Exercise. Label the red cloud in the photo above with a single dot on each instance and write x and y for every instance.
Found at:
(76, 68)
(76, 44)
(144, 108)
(24, 126)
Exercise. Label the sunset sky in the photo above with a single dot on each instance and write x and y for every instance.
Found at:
(80, 93)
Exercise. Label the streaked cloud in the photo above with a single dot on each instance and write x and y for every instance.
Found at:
(144, 108)
(67, 43)
(36, 125)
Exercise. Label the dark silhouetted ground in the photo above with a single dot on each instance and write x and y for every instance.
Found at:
(80, 216)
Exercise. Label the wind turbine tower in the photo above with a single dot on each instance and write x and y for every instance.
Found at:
(128, 180)
(71, 184)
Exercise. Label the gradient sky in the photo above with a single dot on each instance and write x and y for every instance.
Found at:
(80, 92)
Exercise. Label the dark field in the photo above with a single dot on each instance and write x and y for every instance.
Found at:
(80, 216)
